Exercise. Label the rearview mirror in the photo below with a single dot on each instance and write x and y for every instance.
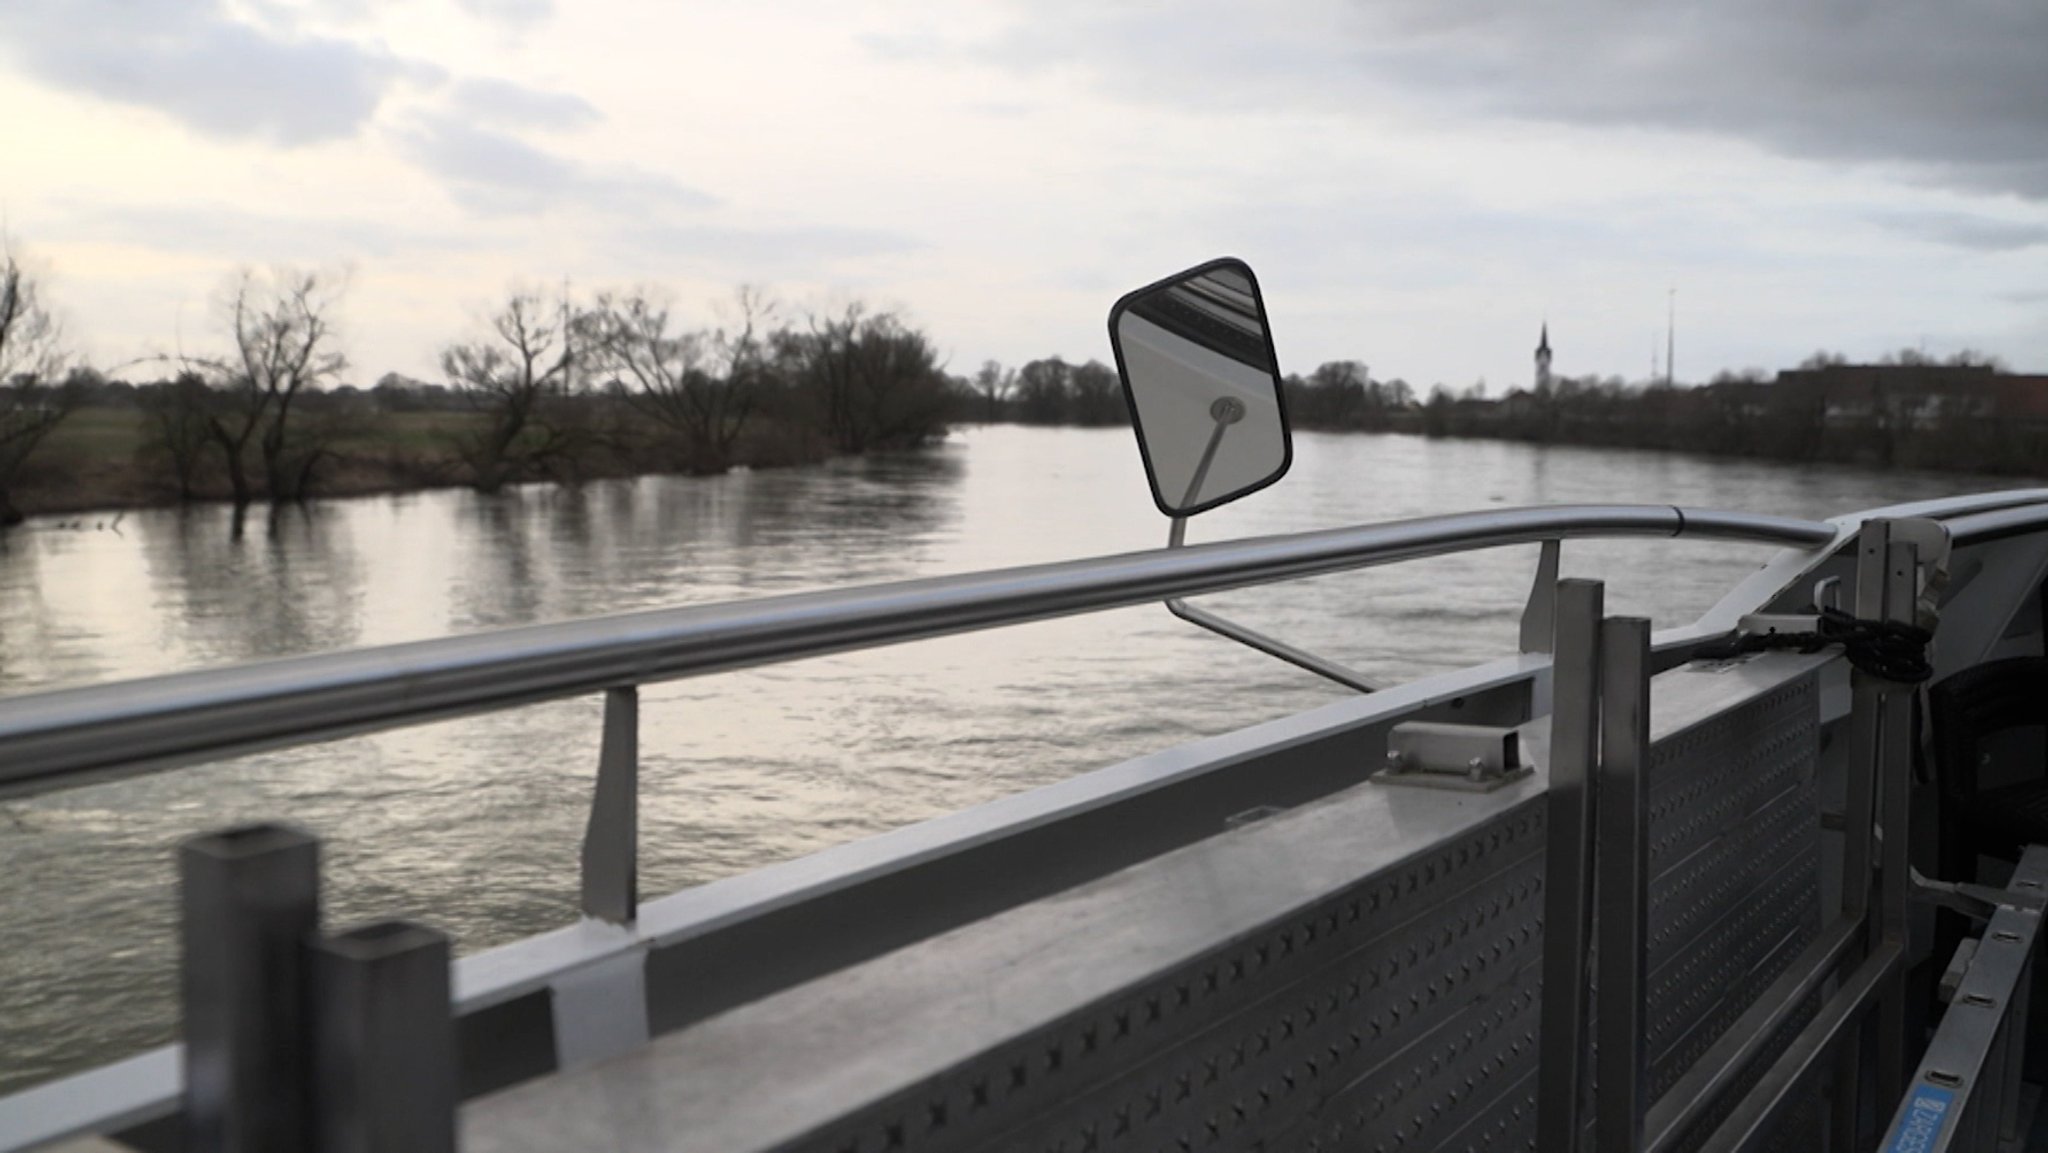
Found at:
(1196, 359)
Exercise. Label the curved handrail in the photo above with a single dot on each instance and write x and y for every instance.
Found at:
(66, 737)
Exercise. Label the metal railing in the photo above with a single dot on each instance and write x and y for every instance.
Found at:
(68, 736)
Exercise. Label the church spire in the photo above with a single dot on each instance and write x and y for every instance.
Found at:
(1543, 360)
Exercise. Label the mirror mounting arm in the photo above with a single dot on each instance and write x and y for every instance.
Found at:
(1252, 638)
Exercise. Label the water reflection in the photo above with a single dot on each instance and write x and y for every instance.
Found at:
(474, 824)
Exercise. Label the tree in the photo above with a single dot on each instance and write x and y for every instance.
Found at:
(993, 383)
(33, 401)
(874, 381)
(175, 414)
(1096, 396)
(282, 329)
(1042, 391)
(511, 379)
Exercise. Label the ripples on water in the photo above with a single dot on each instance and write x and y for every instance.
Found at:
(473, 825)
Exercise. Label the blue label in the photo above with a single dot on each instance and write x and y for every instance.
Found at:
(1920, 1124)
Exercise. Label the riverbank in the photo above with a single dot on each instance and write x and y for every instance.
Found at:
(101, 459)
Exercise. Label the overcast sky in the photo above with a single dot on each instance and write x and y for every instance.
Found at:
(1418, 184)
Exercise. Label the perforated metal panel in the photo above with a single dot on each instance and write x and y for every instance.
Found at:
(1365, 1022)
(1734, 867)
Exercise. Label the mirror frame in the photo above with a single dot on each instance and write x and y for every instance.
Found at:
(1123, 376)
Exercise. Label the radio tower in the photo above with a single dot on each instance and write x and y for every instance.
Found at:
(1671, 336)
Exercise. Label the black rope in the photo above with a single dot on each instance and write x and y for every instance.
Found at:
(1887, 650)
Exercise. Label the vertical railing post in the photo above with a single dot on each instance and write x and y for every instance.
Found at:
(1539, 615)
(1567, 857)
(1895, 781)
(250, 902)
(1873, 547)
(1621, 888)
(384, 1059)
(611, 841)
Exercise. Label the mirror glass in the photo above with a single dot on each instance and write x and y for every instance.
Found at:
(1197, 363)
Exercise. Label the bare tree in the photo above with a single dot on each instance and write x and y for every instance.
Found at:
(994, 383)
(176, 414)
(283, 333)
(513, 379)
(876, 382)
(704, 388)
(33, 401)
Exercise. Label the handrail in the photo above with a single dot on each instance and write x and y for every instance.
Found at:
(67, 737)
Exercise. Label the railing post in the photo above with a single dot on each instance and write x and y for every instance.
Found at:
(611, 842)
(1567, 863)
(250, 899)
(1866, 735)
(1622, 884)
(1895, 777)
(1539, 615)
(384, 1060)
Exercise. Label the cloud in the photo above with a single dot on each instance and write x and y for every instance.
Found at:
(506, 104)
(1962, 230)
(518, 14)
(193, 62)
(496, 172)
(218, 230)
(1955, 91)
(754, 251)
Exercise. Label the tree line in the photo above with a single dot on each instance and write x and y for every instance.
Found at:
(1339, 395)
(550, 386)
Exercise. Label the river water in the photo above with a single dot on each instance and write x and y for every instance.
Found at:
(473, 825)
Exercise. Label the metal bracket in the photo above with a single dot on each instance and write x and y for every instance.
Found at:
(1467, 758)
(1539, 615)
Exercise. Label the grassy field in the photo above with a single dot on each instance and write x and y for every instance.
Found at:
(99, 458)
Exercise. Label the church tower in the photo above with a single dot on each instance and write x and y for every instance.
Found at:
(1543, 360)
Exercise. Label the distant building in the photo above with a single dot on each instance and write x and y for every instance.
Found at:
(1543, 360)
(1916, 395)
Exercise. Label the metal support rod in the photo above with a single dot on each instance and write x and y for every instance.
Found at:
(1253, 639)
(1751, 1119)
(1567, 862)
(1177, 537)
(384, 1063)
(250, 900)
(1539, 615)
(611, 843)
(1621, 886)
(1860, 814)
(1895, 781)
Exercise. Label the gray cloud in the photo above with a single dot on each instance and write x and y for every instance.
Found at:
(495, 172)
(192, 61)
(1957, 88)
(1961, 230)
(510, 105)
(1957, 91)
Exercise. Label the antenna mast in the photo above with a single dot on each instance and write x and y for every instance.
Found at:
(1671, 336)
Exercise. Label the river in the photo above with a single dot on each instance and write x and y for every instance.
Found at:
(473, 825)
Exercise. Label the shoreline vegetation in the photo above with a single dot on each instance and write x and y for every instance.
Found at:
(563, 389)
